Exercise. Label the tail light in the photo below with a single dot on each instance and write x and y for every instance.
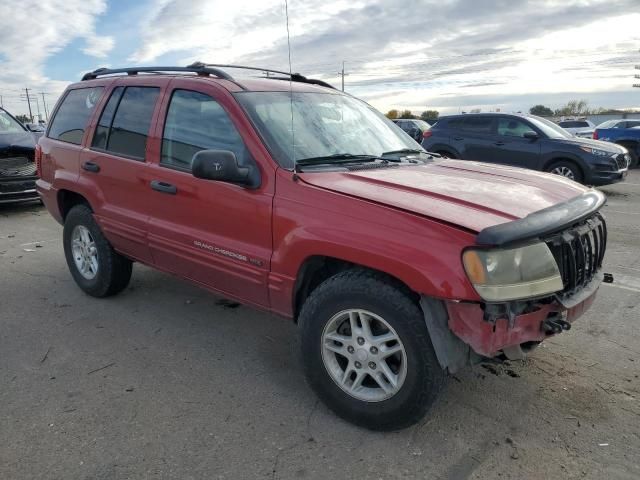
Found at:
(38, 159)
(426, 134)
(595, 134)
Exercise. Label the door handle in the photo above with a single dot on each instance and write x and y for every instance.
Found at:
(164, 187)
(499, 144)
(458, 138)
(91, 167)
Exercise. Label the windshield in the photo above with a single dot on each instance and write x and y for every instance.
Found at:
(324, 124)
(8, 124)
(549, 128)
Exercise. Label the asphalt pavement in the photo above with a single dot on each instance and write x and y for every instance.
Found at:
(169, 381)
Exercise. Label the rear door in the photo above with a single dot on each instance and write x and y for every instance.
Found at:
(215, 233)
(115, 166)
(511, 148)
(474, 139)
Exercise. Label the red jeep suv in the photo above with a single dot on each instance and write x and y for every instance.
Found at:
(285, 194)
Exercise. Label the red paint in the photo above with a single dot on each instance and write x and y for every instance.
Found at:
(410, 222)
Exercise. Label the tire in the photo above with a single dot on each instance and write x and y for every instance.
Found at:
(566, 169)
(376, 297)
(444, 154)
(107, 272)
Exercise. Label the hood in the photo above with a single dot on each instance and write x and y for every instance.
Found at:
(472, 195)
(587, 142)
(20, 140)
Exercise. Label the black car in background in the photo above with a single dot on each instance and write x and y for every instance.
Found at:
(17, 166)
(413, 127)
(527, 141)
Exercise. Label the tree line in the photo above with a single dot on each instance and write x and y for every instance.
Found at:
(572, 108)
(429, 116)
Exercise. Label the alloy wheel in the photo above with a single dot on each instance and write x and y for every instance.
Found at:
(364, 355)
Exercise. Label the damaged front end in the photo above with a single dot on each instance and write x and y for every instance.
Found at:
(575, 235)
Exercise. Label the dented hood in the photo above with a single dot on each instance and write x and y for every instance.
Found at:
(472, 195)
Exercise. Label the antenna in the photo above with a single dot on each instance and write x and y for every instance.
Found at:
(293, 140)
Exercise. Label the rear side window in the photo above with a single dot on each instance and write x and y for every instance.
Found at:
(130, 125)
(72, 116)
(196, 122)
(632, 124)
(477, 124)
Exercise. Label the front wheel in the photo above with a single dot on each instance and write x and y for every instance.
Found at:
(367, 352)
(566, 169)
(95, 266)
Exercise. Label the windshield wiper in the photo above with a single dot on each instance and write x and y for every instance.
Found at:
(403, 151)
(336, 158)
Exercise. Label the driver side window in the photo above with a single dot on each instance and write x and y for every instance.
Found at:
(512, 128)
(196, 122)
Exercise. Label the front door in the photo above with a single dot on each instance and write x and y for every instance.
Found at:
(512, 148)
(217, 234)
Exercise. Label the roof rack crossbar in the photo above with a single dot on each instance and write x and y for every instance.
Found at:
(199, 69)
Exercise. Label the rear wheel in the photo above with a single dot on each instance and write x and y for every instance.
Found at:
(367, 353)
(566, 169)
(95, 266)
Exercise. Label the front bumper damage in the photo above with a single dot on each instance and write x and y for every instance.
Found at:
(465, 332)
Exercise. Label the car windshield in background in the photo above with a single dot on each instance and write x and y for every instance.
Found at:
(8, 124)
(422, 125)
(549, 128)
(324, 125)
(573, 124)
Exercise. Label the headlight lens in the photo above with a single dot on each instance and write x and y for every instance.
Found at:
(501, 275)
(595, 151)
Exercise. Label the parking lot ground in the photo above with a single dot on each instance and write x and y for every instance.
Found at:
(169, 381)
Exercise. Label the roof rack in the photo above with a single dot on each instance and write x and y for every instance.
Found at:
(205, 69)
(294, 77)
(200, 69)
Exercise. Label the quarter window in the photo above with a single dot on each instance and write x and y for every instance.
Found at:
(196, 122)
(73, 114)
(106, 119)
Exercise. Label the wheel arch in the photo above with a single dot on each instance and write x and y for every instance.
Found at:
(317, 268)
(67, 199)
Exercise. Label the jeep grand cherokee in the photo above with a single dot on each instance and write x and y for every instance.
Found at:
(398, 266)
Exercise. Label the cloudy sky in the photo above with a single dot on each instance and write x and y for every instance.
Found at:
(417, 54)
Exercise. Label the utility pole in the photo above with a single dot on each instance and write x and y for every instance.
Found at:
(44, 103)
(29, 103)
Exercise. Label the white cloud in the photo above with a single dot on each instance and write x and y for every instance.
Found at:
(33, 30)
(426, 52)
(99, 47)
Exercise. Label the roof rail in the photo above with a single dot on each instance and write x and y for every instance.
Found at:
(205, 69)
(294, 77)
(200, 69)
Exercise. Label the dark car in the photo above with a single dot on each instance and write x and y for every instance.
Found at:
(413, 127)
(530, 142)
(17, 167)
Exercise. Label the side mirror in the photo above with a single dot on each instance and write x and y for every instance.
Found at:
(531, 135)
(222, 166)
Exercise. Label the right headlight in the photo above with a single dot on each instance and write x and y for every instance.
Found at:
(501, 275)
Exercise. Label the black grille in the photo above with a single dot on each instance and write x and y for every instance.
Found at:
(579, 252)
(17, 167)
(622, 161)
